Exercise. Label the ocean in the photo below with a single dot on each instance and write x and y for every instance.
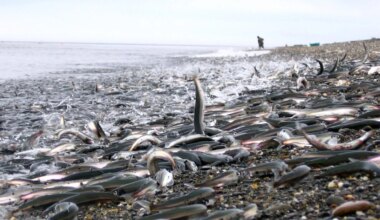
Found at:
(34, 59)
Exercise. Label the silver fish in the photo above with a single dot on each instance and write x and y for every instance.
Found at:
(179, 212)
(295, 175)
(193, 196)
(156, 155)
(143, 139)
(85, 138)
(224, 179)
(199, 110)
(338, 146)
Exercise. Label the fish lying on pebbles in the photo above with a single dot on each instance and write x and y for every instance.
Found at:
(225, 214)
(342, 146)
(156, 155)
(188, 139)
(179, 212)
(193, 196)
(277, 167)
(86, 197)
(352, 206)
(140, 139)
(137, 188)
(223, 179)
(353, 167)
(42, 192)
(45, 200)
(293, 176)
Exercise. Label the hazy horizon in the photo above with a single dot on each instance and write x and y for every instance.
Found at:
(116, 43)
(165, 44)
(180, 22)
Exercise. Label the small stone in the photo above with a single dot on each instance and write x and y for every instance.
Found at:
(88, 217)
(360, 213)
(250, 211)
(254, 185)
(332, 185)
(340, 184)
(221, 198)
(211, 202)
(349, 197)
(334, 200)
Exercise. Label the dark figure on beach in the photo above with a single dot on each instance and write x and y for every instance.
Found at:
(261, 42)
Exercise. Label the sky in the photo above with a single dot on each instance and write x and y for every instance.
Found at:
(198, 22)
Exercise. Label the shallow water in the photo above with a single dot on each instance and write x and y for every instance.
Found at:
(28, 59)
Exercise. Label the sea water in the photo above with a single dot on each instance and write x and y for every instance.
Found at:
(31, 59)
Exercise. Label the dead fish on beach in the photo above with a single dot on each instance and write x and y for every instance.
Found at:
(153, 157)
(193, 196)
(188, 139)
(353, 167)
(85, 197)
(137, 188)
(144, 138)
(351, 207)
(42, 192)
(324, 112)
(113, 181)
(277, 167)
(228, 214)
(45, 200)
(301, 141)
(85, 138)
(179, 212)
(293, 176)
(340, 146)
(339, 157)
(223, 179)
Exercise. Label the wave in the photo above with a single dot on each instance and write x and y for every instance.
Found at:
(233, 53)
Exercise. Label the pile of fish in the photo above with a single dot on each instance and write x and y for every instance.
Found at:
(317, 125)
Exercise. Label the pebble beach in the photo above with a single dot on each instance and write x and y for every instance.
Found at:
(292, 133)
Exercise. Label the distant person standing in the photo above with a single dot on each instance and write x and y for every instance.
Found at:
(261, 42)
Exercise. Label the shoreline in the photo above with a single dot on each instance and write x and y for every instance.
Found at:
(160, 101)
